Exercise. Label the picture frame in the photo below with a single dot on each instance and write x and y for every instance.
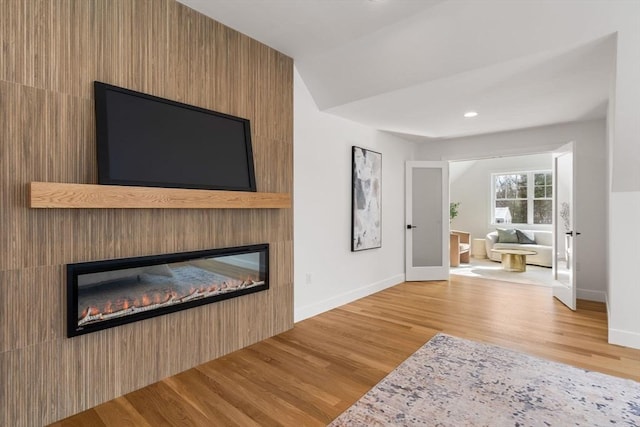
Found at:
(366, 199)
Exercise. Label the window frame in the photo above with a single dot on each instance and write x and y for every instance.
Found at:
(530, 174)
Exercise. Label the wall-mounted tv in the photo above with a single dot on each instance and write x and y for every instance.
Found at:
(145, 140)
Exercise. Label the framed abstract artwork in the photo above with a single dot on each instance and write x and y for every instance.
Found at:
(366, 205)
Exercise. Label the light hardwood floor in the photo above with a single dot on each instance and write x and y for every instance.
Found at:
(312, 373)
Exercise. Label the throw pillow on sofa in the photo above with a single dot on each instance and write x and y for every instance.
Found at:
(507, 235)
(525, 238)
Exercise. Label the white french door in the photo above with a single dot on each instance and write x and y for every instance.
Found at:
(565, 230)
(427, 221)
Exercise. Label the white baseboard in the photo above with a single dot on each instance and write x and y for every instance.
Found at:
(591, 295)
(310, 310)
(620, 337)
(624, 338)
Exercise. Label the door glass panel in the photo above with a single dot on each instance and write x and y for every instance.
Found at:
(427, 217)
(564, 219)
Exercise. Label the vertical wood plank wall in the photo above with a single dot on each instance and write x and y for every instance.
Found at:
(50, 54)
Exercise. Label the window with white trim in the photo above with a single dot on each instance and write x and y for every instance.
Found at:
(522, 197)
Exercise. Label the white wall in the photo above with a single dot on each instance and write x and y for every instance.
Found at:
(472, 188)
(623, 150)
(591, 185)
(624, 301)
(322, 209)
(624, 175)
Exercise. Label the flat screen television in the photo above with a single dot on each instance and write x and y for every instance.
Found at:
(144, 140)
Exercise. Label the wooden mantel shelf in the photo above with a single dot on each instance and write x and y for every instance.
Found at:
(60, 195)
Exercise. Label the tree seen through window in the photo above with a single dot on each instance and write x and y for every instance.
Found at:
(527, 195)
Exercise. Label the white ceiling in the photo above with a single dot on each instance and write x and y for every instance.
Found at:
(413, 67)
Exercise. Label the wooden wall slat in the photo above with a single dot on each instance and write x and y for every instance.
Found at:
(37, 318)
(50, 54)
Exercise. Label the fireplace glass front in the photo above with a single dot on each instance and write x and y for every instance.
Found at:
(103, 294)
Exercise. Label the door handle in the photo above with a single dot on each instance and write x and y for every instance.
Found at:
(409, 226)
(570, 233)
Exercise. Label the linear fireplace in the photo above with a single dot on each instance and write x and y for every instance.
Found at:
(103, 294)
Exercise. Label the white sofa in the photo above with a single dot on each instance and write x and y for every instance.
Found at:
(543, 247)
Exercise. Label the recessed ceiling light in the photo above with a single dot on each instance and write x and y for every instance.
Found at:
(470, 114)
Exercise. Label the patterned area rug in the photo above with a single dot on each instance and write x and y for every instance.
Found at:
(455, 382)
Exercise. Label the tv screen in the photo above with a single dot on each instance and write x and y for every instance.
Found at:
(145, 140)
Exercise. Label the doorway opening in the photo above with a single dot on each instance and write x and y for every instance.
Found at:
(505, 204)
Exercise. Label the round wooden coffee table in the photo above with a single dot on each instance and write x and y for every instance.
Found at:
(514, 259)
